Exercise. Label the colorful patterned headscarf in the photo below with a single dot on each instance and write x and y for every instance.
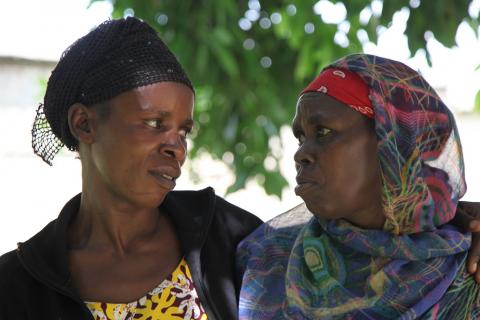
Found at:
(300, 267)
(418, 145)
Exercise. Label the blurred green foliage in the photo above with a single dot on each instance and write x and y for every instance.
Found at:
(476, 106)
(42, 87)
(249, 59)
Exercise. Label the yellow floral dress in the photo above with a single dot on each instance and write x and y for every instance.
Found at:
(174, 299)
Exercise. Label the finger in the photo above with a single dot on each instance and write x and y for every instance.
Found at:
(474, 226)
(477, 276)
(472, 265)
(474, 256)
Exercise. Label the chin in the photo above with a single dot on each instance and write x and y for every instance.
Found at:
(157, 200)
(314, 208)
(323, 211)
(148, 200)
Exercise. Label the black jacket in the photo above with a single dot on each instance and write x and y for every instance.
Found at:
(35, 282)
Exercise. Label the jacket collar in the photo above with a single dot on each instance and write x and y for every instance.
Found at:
(192, 213)
(45, 257)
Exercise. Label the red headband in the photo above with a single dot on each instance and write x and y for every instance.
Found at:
(344, 86)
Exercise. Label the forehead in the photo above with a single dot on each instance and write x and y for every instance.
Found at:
(166, 96)
(313, 106)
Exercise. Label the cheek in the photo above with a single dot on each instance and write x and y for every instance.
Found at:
(360, 176)
(185, 152)
(117, 155)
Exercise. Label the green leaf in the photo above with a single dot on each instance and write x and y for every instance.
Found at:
(476, 107)
(225, 58)
(222, 36)
(274, 183)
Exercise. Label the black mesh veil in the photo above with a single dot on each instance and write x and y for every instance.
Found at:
(117, 56)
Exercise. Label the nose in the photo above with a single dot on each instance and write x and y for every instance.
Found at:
(174, 147)
(303, 157)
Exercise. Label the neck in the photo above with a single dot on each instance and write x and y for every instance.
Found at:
(372, 218)
(108, 222)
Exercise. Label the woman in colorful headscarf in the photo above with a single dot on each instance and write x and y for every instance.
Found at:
(380, 167)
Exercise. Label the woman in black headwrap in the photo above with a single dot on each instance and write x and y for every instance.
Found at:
(127, 247)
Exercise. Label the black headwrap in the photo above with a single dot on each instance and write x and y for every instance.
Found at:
(117, 56)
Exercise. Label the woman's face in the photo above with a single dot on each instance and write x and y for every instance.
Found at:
(338, 174)
(139, 149)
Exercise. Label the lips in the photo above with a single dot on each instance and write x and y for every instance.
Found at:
(304, 186)
(165, 177)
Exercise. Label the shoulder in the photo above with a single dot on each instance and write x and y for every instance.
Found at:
(262, 258)
(23, 296)
(206, 208)
(235, 218)
(36, 255)
(284, 226)
(13, 275)
(9, 264)
(273, 240)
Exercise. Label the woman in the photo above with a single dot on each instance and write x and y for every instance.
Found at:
(127, 247)
(380, 167)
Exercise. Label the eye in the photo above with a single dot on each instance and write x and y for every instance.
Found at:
(153, 123)
(322, 132)
(301, 140)
(185, 132)
(298, 133)
(300, 137)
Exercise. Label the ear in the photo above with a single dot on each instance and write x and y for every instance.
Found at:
(81, 120)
